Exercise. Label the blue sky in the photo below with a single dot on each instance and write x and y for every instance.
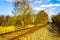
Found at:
(52, 7)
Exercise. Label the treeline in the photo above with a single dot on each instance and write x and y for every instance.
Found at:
(27, 19)
(24, 19)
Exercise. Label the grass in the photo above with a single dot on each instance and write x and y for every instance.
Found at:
(6, 29)
(11, 28)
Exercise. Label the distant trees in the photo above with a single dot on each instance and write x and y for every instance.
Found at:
(24, 19)
(4, 20)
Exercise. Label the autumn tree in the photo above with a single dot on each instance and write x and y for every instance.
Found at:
(1, 19)
(41, 17)
(11, 21)
(5, 20)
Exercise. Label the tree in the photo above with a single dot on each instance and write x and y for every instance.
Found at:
(41, 17)
(12, 21)
(1, 19)
(5, 20)
(56, 21)
(20, 7)
(23, 12)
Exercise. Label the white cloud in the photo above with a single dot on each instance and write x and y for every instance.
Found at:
(40, 1)
(38, 8)
(51, 11)
(50, 5)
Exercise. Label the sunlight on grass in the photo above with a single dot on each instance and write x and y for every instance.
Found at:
(30, 26)
(6, 29)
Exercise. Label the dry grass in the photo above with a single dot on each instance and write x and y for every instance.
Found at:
(6, 29)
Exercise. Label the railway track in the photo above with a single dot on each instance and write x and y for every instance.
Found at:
(15, 35)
